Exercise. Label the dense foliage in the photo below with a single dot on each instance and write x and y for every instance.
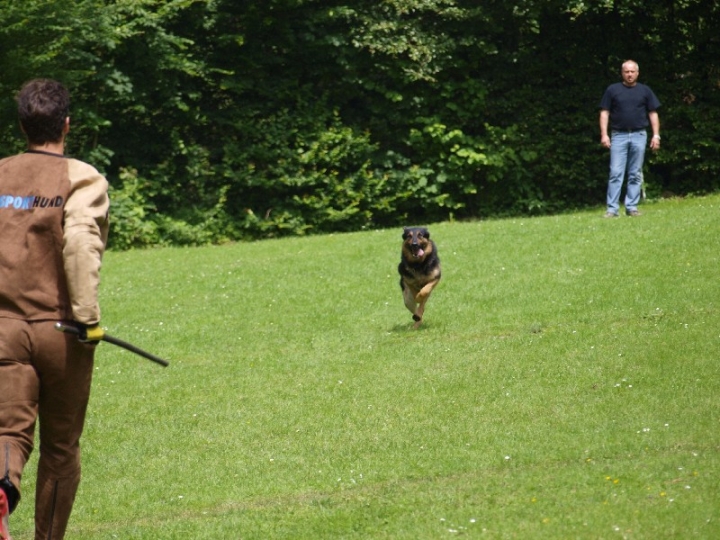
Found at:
(220, 120)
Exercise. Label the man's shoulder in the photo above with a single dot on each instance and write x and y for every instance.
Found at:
(81, 169)
(80, 164)
(80, 172)
(19, 160)
(652, 100)
(613, 90)
(610, 96)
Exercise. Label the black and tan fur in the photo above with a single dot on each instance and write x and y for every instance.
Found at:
(419, 270)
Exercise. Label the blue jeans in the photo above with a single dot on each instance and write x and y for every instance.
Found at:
(627, 152)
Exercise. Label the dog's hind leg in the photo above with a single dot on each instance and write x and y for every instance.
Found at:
(409, 299)
(421, 298)
(412, 305)
(419, 312)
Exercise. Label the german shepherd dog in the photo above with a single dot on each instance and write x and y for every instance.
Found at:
(419, 270)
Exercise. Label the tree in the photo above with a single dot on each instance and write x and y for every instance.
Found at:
(220, 120)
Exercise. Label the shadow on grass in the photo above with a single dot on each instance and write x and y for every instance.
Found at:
(409, 328)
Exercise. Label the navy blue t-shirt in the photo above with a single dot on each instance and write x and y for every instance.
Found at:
(629, 105)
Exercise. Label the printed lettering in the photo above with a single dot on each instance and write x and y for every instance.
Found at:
(30, 202)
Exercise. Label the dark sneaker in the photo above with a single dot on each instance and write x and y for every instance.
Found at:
(633, 213)
(610, 215)
(4, 513)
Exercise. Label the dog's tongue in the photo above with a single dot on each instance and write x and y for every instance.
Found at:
(420, 253)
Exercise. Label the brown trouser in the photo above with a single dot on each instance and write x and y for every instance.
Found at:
(45, 375)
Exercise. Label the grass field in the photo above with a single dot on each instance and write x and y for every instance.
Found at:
(565, 384)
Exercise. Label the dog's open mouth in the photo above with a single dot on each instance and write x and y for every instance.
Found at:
(419, 253)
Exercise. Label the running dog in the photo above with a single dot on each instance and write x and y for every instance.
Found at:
(419, 270)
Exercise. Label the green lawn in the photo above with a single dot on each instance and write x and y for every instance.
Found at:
(565, 384)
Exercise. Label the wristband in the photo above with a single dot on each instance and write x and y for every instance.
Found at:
(656, 137)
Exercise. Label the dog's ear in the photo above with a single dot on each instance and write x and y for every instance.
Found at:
(405, 233)
(426, 233)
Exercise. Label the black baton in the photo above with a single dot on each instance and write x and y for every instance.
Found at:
(115, 341)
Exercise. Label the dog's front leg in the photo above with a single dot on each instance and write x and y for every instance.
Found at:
(422, 296)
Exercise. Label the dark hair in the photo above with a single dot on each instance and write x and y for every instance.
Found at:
(43, 106)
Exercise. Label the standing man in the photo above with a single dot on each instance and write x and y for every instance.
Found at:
(627, 107)
(54, 225)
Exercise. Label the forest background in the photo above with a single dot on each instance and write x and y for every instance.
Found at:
(223, 120)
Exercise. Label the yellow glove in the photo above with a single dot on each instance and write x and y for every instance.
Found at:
(91, 334)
